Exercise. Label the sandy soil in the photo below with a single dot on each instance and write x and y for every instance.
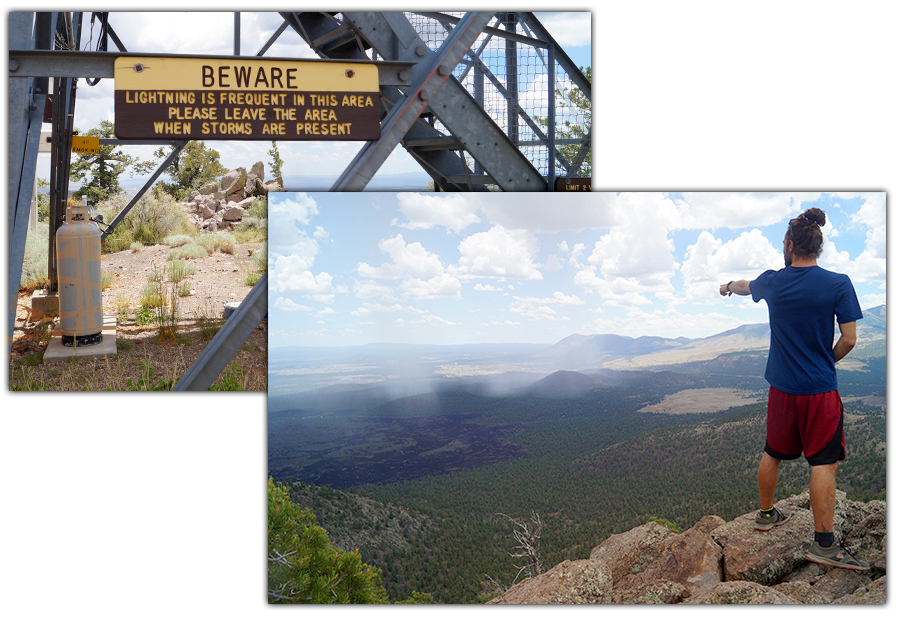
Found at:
(219, 278)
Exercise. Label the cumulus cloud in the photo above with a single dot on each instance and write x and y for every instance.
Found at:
(289, 274)
(297, 207)
(421, 272)
(454, 211)
(709, 262)
(408, 260)
(499, 253)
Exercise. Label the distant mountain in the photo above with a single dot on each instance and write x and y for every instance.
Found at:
(563, 384)
(617, 352)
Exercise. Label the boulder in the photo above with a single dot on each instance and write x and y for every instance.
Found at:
(205, 211)
(633, 551)
(258, 170)
(569, 582)
(234, 180)
(715, 562)
(232, 212)
(208, 189)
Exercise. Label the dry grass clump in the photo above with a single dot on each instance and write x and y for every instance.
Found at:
(220, 241)
(177, 240)
(191, 251)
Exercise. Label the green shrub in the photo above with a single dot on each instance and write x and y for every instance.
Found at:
(190, 251)
(177, 240)
(220, 241)
(184, 288)
(153, 218)
(106, 280)
(259, 209)
(136, 246)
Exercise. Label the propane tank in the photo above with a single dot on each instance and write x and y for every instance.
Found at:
(80, 288)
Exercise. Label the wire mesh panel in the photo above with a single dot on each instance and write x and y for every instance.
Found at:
(508, 76)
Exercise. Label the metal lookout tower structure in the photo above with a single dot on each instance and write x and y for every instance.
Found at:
(481, 100)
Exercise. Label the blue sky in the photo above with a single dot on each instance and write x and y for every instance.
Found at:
(201, 32)
(516, 267)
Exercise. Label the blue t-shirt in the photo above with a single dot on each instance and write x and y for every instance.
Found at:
(803, 304)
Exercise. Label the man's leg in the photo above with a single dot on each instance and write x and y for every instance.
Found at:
(821, 496)
(767, 478)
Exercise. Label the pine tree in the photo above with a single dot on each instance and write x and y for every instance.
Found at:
(100, 172)
(196, 166)
(276, 162)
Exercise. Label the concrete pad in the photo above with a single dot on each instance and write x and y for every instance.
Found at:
(107, 348)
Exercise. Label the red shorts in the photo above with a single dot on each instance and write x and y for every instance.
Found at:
(810, 425)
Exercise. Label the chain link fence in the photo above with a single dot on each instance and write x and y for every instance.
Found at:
(509, 77)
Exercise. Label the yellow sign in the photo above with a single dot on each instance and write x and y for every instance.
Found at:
(245, 99)
(86, 144)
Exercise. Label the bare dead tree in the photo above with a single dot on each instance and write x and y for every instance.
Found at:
(528, 539)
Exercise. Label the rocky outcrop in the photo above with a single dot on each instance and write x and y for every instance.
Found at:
(221, 205)
(719, 562)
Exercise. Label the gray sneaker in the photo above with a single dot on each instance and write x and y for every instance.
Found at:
(765, 522)
(835, 556)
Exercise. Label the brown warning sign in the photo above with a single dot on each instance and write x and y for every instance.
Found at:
(241, 99)
(572, 184)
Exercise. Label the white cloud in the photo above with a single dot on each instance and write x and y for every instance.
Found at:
(285, 304)
(499, 253)
(710, 262)
(409, 260)
(298, 207)
(289, 274)
(422, 274)
(568, 29)
(454, 211)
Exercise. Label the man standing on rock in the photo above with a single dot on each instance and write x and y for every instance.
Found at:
(805, 413)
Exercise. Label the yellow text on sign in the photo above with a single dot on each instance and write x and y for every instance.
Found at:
(86, 144)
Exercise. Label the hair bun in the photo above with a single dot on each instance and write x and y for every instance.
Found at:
(815, 215)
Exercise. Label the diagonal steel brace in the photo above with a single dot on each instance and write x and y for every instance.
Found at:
(228, 340)
(179, 145)
(427, 79)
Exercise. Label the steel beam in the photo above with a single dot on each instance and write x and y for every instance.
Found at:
(228, 340)
(428, 79)
(25, 116)
(453, 105)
